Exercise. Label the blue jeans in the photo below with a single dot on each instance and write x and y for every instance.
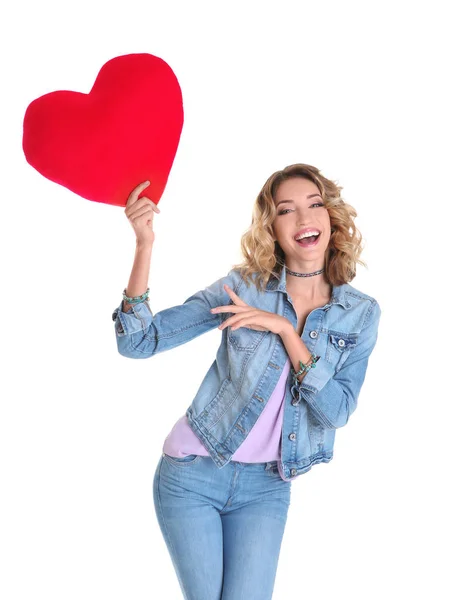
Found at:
(223, 528)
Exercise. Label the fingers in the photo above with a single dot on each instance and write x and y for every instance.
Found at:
(140, 210)
(234, 296)
(238, 305)
(133, 197)
(228, 308)
(147, 201)
(134, 204)
(235, 321)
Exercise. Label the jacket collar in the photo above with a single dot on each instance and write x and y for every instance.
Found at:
(338, 292)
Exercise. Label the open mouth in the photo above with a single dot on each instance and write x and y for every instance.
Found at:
(308, 241)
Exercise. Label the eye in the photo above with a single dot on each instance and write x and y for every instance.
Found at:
(285, 210)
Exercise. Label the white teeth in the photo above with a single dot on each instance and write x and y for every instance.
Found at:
(307, 234)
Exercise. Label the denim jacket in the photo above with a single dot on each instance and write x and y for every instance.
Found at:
(248, 364)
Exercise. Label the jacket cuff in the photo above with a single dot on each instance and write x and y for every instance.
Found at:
(137, 319)
(315, 379)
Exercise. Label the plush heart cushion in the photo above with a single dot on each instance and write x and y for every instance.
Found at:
(101, 145)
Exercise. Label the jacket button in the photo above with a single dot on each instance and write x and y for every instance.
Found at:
(341, 343)
(294, 402)
(292, 436)
(293, 472)
(313, 334)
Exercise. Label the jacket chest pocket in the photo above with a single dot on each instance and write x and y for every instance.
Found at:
(339, 347)
(244, 338)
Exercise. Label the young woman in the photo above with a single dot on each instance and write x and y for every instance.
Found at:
(296, 340)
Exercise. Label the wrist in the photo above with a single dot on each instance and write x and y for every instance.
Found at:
(144, 246)
(288, 330)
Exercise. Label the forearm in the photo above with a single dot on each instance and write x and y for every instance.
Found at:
(326, 411)
(295, 347)
(138, 282)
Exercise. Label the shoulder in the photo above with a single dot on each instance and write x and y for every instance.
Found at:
(359, 300)
(244, 286)
(234, 279)
(353, 294)
(237, 277)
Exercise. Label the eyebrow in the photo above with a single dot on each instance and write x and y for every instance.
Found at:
(307, 198)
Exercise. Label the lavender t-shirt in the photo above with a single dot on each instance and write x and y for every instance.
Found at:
(263, 443)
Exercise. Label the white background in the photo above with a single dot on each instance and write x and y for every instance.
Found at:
(371, 93)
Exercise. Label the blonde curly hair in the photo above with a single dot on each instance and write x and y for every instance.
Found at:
(263, 256)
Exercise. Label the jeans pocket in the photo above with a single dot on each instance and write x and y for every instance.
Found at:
(183, 461)
(273, 471)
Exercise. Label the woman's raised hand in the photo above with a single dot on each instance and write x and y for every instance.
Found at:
(140, 213)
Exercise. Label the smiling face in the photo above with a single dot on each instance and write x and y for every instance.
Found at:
(299, 206)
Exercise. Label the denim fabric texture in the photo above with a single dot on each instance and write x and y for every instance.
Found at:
(223, 528)
(248, 364)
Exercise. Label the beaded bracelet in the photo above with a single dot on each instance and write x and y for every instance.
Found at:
(135, 299)
(304, 368)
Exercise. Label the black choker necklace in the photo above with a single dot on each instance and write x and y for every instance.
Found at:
(303, 274)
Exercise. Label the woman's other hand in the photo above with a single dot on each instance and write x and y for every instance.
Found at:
(140, 213)
(252, 318)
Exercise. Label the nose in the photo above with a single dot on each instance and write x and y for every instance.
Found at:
(304, 220)
(303, 217)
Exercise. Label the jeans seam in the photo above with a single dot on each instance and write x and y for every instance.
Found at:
(162, 513)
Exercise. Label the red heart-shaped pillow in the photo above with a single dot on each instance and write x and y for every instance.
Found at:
(101, 145)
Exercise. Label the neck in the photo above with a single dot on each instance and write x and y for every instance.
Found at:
(306, 288)
(310, 288)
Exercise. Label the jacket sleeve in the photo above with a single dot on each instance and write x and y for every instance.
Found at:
(140, 334)
(333, 397)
